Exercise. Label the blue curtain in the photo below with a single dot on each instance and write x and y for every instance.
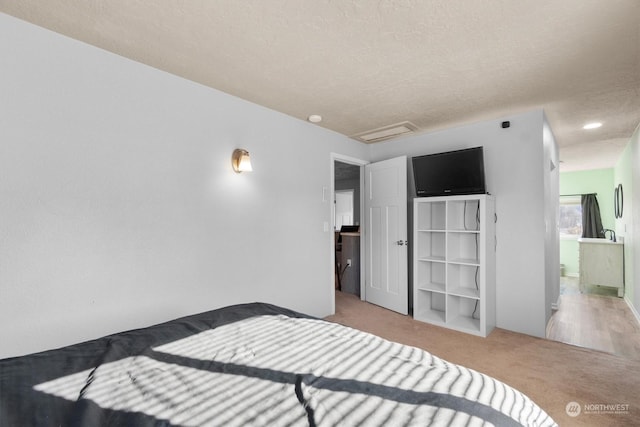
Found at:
(591, 220)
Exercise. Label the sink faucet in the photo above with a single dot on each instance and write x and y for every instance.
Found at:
(612, 235)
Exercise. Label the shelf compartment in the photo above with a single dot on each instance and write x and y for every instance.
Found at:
(463, 248)
(431, 307)
(461, 215)
(463, 280)
(460, 313)
(431, 216)
(431, 245)
(431, 276)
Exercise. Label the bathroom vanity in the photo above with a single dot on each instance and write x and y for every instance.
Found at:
(601, 263)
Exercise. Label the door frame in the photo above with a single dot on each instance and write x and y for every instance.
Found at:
(332, 244)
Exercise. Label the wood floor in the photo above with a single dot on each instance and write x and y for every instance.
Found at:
(597, 319)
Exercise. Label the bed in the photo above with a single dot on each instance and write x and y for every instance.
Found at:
(252, 364)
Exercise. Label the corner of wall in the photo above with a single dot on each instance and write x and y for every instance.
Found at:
(626, 172)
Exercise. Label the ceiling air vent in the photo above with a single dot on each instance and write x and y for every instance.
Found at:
(386, 132)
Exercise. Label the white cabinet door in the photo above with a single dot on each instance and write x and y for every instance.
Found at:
(602, 264)
(386, 277)
(344, 208)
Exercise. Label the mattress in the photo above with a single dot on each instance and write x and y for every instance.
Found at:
(252, 364)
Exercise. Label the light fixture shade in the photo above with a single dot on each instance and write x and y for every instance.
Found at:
(241, 161)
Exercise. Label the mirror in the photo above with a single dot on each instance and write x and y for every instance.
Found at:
(618, 201)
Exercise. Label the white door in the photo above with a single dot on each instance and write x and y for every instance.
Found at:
(344, 208)
(386, 278)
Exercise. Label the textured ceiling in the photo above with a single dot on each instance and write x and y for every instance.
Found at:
(365, 64)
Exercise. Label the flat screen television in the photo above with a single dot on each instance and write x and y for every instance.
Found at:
(452, 173)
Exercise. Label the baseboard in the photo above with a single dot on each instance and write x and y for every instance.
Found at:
(633, 309)
(571, 275)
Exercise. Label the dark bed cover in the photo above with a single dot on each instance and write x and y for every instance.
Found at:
(252, 364)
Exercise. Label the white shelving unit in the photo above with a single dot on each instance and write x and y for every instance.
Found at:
(454, 262)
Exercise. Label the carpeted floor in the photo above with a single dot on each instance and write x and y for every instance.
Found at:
(551, 373)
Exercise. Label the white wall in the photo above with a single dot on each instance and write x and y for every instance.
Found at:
(118, 205)
(627, 173)
(514, 167)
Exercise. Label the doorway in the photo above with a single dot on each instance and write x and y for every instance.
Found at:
(586, 314)
(347, 209)
(380, 255)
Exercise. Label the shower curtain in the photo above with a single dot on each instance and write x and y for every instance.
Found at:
(591, 221)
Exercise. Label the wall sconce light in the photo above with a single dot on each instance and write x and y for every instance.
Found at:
(241, 161)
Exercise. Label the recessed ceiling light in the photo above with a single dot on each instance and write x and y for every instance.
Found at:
(315, 118)
(594, 125)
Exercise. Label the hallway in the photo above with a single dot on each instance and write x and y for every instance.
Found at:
(597, 319)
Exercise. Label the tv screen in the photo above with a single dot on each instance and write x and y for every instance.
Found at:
(452, 173)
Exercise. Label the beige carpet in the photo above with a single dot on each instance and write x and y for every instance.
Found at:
(551, 373)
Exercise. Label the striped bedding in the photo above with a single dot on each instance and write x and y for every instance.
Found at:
(254, 364)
